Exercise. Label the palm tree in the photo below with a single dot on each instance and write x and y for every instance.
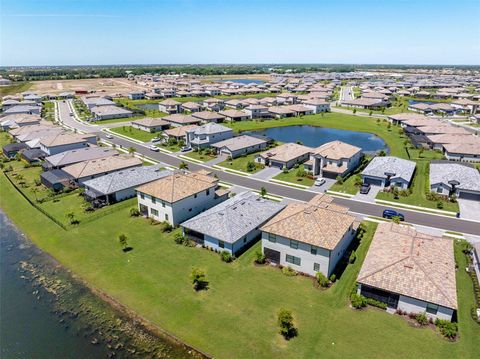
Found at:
(132, 150)
(35, 191)
(263, 191)
(183, 165)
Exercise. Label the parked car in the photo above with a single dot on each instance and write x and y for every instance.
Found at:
(365, 188)
(390, 213)
(319, 181)
(109, 136)
(185, 149)
(154, 148)
(156, 139)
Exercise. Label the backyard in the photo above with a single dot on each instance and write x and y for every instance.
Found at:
(241, 164)
(135, 133)
(236, 316)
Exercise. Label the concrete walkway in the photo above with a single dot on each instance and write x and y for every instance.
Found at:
(469, 209)
(370, 196)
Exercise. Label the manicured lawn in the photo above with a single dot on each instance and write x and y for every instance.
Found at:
(48, 110)
(135, 133)
(348, 186)
(291, 176)
(236, 317)
(240, 163)
(418, 198)
(199, 156)
(119, 120)
(14, 88)
(172, 148)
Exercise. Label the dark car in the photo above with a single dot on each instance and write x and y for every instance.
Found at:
(390, 213)
(365, 188)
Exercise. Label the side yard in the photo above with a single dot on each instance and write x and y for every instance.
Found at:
(135, 133)
(244, 163)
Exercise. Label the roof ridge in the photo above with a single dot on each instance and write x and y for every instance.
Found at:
(383, 268)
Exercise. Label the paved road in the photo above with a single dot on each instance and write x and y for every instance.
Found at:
(442, 222)
(346, 93)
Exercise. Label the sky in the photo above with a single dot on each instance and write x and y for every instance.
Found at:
(92, 32)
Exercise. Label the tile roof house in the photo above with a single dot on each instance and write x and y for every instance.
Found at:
(66, 141)
(461, 179)
(240, 145)
(389, 171)
(232, 225)
(310, 237)
(466, 152)
(208, 116)
(286, 155)
(110, 112)
(179, 197)
(235, 115)
(149, 124)
(179, 133)
(18, 120)
(410, 271)
(178, 119)
(120, 185)
(190, 107)
(206, 135)
(78, 155)
(169, 106)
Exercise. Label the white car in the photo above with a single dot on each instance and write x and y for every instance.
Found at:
(109, 136)
(154, 148)
(319, 181)
(156, 139)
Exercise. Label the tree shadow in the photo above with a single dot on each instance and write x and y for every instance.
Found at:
(127, 249)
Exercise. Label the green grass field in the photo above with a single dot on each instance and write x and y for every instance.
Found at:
(135, 133)
(236, 317)
(199, 156)
(240, 163)
(291, 176)
(15, 88)
(348, 186)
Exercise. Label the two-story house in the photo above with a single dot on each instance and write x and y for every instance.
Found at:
(206, 135)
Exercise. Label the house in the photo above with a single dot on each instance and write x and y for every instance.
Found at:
(317, 106)
(33, 155)
(179, 197)
(23, 109)
(120, 185)
(466, 152)
(410, 271)
(206, 135)
(109, 112)
(334, 159)
(85, 170)
(437, 142)
(213, 104)
(453, 178)
(281, 111)
(10, 150)
(366, 103)
(232, 225)
(309, 237)
(169, 106)
(240, 145)
(300, 110)
(18, 120)
(284, 156)
(178, 119)
(235, 115)
(136, 95)
(153, 96)
(178, 133)
(56, 179)
(62, 142)
(92, 102)
(257, 111)
(399, 118)
(208, 116)
(149, 124)
(190, 107)
(389, 171)
(78, 155)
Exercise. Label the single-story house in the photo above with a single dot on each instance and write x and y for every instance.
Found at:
(190, 107)
(62, 142)
(23, 109)
(136, 95)
(33, 155)
(18, 120)
(366, 103)
(208, 116)
(109, 112)
(235, 115)
(206, 135)
(179, 197)
(120, 185)
(399, 118)
(286, 155)
(317, 106)
(232, 225)
(10, 150)
(309, 237)
(437, 142)
(181, 120)
(461, 179)
(56, 179)
(240, 145)
(410, 271)
(78, 155)
(96, 101)
(389, 171)
(150, 124)
(213, 104)
(281, 111)
(178, 133)
(169, 106)
(333, 159)
(465, 152)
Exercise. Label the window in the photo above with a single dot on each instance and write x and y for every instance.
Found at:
(245, 239)
(432, 308)
(142, 196)
(221, 244)
(166, 217)
(316, 267)
(163, 204)
(292, 259)
(313, 250)
(293, 244)
(208, 191)
(154, 212)
(439, 189)
(272, 237)
(195, 195)
(154, 200)
(189, 209)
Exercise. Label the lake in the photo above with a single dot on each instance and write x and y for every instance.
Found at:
(245, 81)
(313, 136)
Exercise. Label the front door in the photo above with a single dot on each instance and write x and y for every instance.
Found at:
(271, 255)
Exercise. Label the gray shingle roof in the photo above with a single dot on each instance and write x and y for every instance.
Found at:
(466, 175)
(399, 168)
(131, 177)
(234, 218)
(79, 155)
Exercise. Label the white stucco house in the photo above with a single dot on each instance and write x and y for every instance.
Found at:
(389, 171)
(286, 155)
(66, 141)
(207, 135)
(410, 271)
(240, 145)
(461, 179)
(309, 237)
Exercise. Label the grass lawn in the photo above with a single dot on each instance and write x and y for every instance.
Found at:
(199, 156)
(236, 317)
(48, 111)
(14, 88)
(134, 133)
(418, 198)
(240, 163)
(119, 120)
(348, 186)
(291, 176)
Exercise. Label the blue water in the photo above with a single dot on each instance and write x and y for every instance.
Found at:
(413, 102)
(245, 81)
(313, 136)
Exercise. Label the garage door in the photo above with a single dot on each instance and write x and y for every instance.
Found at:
(372, 181)
(271, 255)
(470, 196)
(276, 164)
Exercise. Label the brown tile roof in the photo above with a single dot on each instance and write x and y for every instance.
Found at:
(318, 222)
(150, 122)
(336, 150)
(410, 263)
(179, 118)
(286, 152)
(178, 186)
(97, 166)
(64, 138)
(179, 131)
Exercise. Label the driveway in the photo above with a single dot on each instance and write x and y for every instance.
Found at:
(324, 187)
(469, 209)
(216, 161)
(267, 173)
(370, 196)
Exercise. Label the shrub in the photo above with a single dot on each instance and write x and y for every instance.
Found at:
(333, 278)
(285, 322)
(376, 303)
(301, 172)
(353, 257)
(179, 238)
(404, 193)
(439, 204)
(260, 257)
(358, 301)
(289, 272)
(421, 319)
(251, 166)
(448, 329)
(134, 212)
(166, 227)
(322, 280)
(284, 170)
(226, 256)
(339, 180)
(199, 279)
